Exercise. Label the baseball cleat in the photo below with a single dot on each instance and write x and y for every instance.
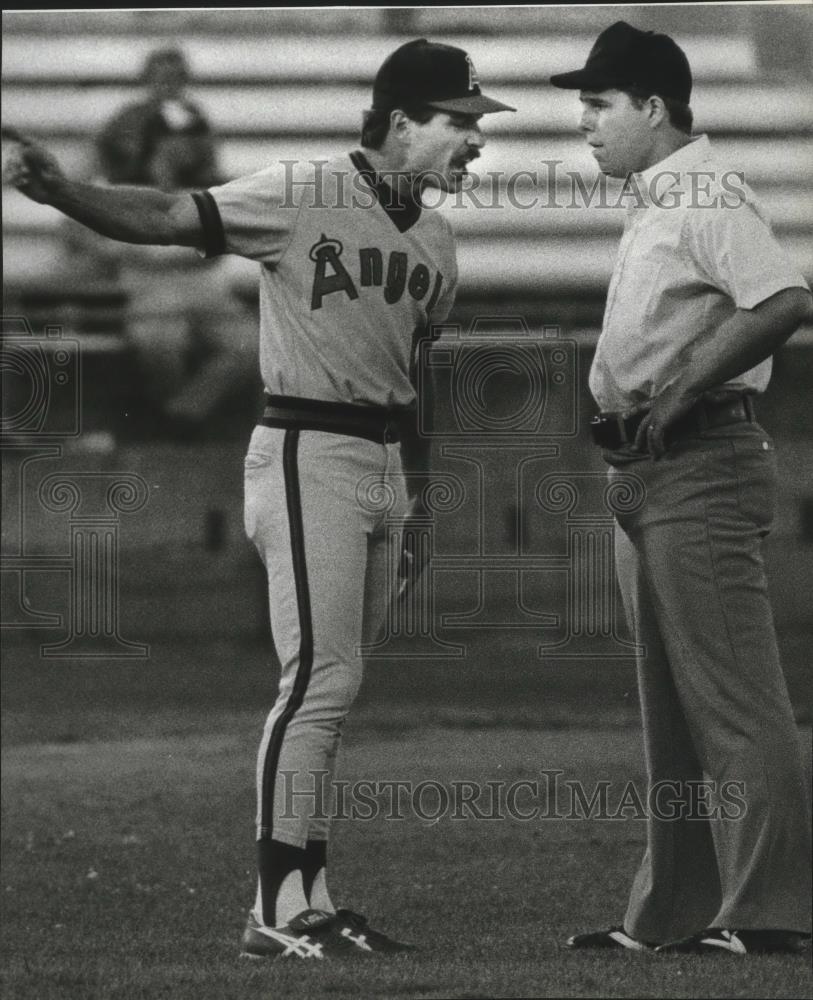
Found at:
(717, 941)
(310, 934)
(354, 927)
(614, 937)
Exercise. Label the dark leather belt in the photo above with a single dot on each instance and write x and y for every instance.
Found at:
(613, 431)
(375, 423)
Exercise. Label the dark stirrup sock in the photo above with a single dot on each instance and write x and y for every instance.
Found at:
(315, 886)
(315, 859)
(275, 861)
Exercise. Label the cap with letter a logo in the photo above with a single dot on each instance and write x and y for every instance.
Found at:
(423, 74)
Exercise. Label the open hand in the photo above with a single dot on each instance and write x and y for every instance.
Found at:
(31, 168)
(661, 413)
(414, 558)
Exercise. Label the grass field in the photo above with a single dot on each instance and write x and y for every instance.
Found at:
(128, 836)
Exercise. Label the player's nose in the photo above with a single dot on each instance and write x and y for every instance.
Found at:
(475, 138)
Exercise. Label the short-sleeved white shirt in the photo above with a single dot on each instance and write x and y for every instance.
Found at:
(348, 276)
(696, 247)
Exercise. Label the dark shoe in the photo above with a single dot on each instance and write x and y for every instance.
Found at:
(715, 941)
(354, 927)
(310, 934)
(614, 937)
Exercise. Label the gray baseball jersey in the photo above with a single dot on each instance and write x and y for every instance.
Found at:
(347, 276)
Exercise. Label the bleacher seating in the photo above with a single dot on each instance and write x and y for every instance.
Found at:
(291, 84)
(274, 89)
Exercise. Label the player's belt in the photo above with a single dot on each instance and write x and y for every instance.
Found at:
(613, 430)
(375, 423)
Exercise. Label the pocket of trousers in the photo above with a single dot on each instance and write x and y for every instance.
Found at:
(757, 480)
(256, 460)
(255, 465)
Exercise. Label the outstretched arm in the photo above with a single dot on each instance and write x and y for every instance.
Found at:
(127, 214)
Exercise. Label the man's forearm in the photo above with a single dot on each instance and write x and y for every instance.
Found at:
(416, 448)
(127, 214)
(743, 341)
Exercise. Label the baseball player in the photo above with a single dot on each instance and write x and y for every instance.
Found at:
(353, 270)
(700, 297)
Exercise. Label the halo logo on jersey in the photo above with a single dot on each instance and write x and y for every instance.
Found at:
(326, 254)
(330, 275)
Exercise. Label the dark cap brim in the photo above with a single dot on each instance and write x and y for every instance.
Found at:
(476, 105)
(583, 79)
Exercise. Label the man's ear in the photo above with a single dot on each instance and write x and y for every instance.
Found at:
(400, 124)
(657, 111)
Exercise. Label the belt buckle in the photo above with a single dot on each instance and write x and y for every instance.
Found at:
(608, 430)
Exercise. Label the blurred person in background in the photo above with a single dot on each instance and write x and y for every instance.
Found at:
(165, 140)
(194, 339)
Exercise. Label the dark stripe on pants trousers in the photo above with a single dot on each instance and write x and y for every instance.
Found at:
(303, 674)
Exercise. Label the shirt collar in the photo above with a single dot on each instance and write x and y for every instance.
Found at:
(695, 152)
(404, 211)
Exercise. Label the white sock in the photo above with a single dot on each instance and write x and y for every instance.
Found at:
(320, 897)
(257, 912)
(291, 897)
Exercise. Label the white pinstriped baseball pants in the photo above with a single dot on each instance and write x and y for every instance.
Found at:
(316, 512)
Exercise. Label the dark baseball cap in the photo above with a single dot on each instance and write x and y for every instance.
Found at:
(624, 57)
(424, 74)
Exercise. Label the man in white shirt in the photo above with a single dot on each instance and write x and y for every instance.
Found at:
(700, 298)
